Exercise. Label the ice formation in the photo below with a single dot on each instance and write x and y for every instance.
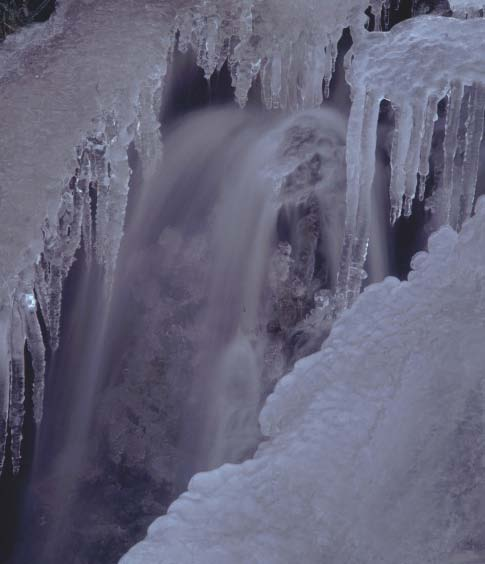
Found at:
(405, 66)
(375, 452)
(292, 48)
(61, 91)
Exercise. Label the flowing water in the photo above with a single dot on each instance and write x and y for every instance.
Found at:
(224, 279)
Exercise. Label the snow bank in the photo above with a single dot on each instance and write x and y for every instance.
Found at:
(376, 445)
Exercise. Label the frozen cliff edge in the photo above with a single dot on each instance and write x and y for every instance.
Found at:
(90, 73)
(69, 114)
(375, 447)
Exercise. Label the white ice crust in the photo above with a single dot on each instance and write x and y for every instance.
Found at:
(467, 8)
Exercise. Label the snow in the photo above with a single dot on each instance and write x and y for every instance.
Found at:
(375, 445)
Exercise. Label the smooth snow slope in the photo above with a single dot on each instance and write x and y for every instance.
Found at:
(376, 446)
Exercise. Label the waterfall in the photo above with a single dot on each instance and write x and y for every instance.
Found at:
(224, 280)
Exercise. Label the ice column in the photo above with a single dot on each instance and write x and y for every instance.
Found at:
(360, 156)
(474, 134)
(443, 207)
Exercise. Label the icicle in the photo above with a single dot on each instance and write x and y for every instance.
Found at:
(387, 9)
(183, 23)
(116, 199)
(449, 150)
(35, 344)
(85, 180)
(328, 70)
(457, 171)
(276, 80)
(376, 7)
(244, 68)
(55, 303)
(412, 159)
(303, 74)
(360, 157)
(400, 147)
(147, 139)
(211, 55)
(285, 62)
(5, 318)
(474, 134)
(17, 385)
(319, 66)
(266, 83)
(425, 150)
(54, 263)
(42, 287)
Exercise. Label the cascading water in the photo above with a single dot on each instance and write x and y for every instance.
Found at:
(224, 280)
(205, 251)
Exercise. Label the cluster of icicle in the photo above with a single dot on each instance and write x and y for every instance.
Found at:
(290, 47)
(414, 68)
(23, 327)
(102, 169)
(291, 50)
(39, 292)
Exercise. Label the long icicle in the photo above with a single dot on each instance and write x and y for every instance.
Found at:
(400, 146)
(4, 378)
(449, 150)
(414, 149)
(35, 344)
(360, 157)
(17, 385)
(426, 142)
(474, 135)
